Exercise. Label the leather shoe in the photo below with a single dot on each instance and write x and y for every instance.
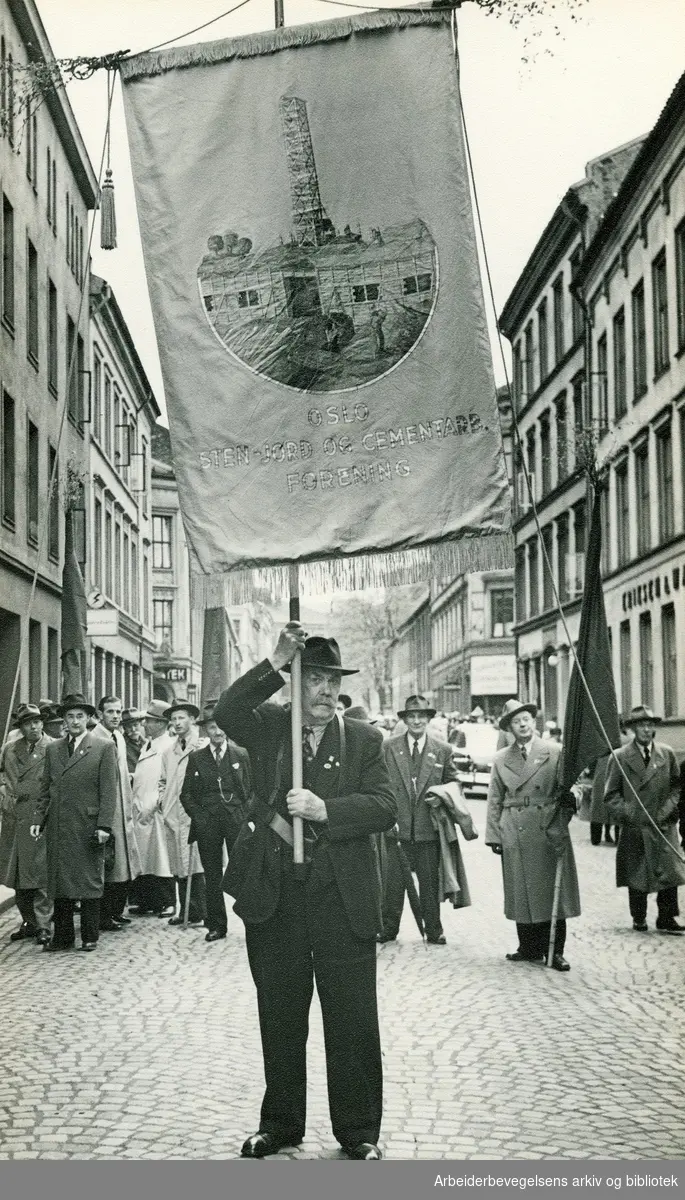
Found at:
(517, 956)
(640, 926)
(381, 938)
(559, 963)
(669, 926)
(122, 920)
(167, 912)
(53, 946)
(261, 1144)
(110, 927)
(366, 1151)
(214, 936)
(87, 947)
(43, 937)
(24, 931)
(436, 941)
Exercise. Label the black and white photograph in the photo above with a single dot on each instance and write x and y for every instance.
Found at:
(342, 593)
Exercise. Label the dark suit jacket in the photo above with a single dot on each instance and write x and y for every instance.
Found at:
(206, 789)
(437, 766)
(356, 789)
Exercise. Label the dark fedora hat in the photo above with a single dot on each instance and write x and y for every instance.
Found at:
(27, 712)
(641, 713)
(511, 708)
(75, 700)
(325, 653)
(417, 704)
(356, 712)
(208, 711)
(50, 710)
(182, 706)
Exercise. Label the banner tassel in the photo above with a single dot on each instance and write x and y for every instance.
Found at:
(108, 216)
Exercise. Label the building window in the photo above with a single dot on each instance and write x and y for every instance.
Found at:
(146, 589)
(53, 505)
(670, 660)
(622, 514)
(530, 450)
(562, 556)
(48, 185)
(680, 281)
(534, 577)
(9, 111)
(7, 263)
(54, 204)
(643, 515)
(107, 415)
(53, 662)
(97, 397)
(135, 580)
(639, 341)
(518, 377)
(162, 621)
(529, 380)
(52, 338)
(32, 475)
(562, 438)
(605, 564)
(625, 667)
(601, 385)
(547, 568)
(126, 598)
(577, 315)
(543, 340)
(520, 582)
(558, 317)
(502, 614)
(97, 543)
(545, 455)
(31, 127)
(646, 660)
(109, 552)
(660, 313)
(3, 88)
(620, 383)
(31, 303)
(9, 457)
(664, 467)
(118, 580)
(80, 369)
(72, 372)
(161, 543)
(580, 526)
(144, 474)
(35, 660)
(578, 386)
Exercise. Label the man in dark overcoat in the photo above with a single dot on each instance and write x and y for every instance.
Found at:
(76, 808)
(319, 923)
(416, 762)
(215, 793)
(527, 824)
(648, 859)
(23, 863)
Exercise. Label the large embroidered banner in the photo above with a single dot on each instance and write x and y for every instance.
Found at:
(310, 252)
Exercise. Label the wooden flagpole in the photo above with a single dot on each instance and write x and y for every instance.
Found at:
(555, 910)
(296, 713)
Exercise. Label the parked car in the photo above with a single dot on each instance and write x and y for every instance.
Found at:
(474, 759)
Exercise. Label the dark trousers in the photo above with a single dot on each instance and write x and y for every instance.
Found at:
(534, 939)
(213, 828)
(596, 832)
(35, 907)
(424, 861)
(64, 934)
(198, 910)
(666, 904)
(114, 899)
(309, 938)
(151, 893)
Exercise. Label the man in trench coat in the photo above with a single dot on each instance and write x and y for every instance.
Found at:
(647, 859)
(155, 890)
(23, 864)
(319, 923)
(126, 866)
(527, 823)
(182, 715)
(75, 808)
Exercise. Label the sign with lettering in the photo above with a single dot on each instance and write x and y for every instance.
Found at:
(102, 622)
(312, 267)
(176, 674)
(493, 675)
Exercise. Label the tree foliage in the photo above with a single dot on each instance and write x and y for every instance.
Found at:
(365, 628)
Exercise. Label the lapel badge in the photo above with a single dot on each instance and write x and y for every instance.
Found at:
(327, 766)
(236, 766)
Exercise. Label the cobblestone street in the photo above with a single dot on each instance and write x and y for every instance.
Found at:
(150, 1047)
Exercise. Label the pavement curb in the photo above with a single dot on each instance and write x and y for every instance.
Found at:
(8, 902)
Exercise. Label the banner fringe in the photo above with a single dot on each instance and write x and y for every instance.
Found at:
(268, 42)
(442, 561)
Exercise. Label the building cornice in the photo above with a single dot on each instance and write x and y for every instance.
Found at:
(26, 572)
(558, 235)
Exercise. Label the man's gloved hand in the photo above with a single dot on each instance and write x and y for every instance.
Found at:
(496, 847)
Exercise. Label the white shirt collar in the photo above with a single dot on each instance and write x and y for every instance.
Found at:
(79, 739)
(421, 742)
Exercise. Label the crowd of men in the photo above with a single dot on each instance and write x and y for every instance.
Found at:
(107, 808)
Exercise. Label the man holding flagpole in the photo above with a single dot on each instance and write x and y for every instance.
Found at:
(319, 923)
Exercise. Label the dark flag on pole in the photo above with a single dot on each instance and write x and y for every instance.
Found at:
(584, 741)
(216, 653)
(74, 617)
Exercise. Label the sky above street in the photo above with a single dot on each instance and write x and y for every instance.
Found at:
(540, 100)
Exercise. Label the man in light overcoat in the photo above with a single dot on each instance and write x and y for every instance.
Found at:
(527, 823)
(126, 866)
(155, 890)
(182, 716)
(648, 859)
(23, 864)
(416, 762)
(75, 808)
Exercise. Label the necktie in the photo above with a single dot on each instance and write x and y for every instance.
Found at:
(70, 746)
(647, 756)
(219, 754)
(308, 746)
(148, 745)
(182, 743)
(524, 751)
(415, 757)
